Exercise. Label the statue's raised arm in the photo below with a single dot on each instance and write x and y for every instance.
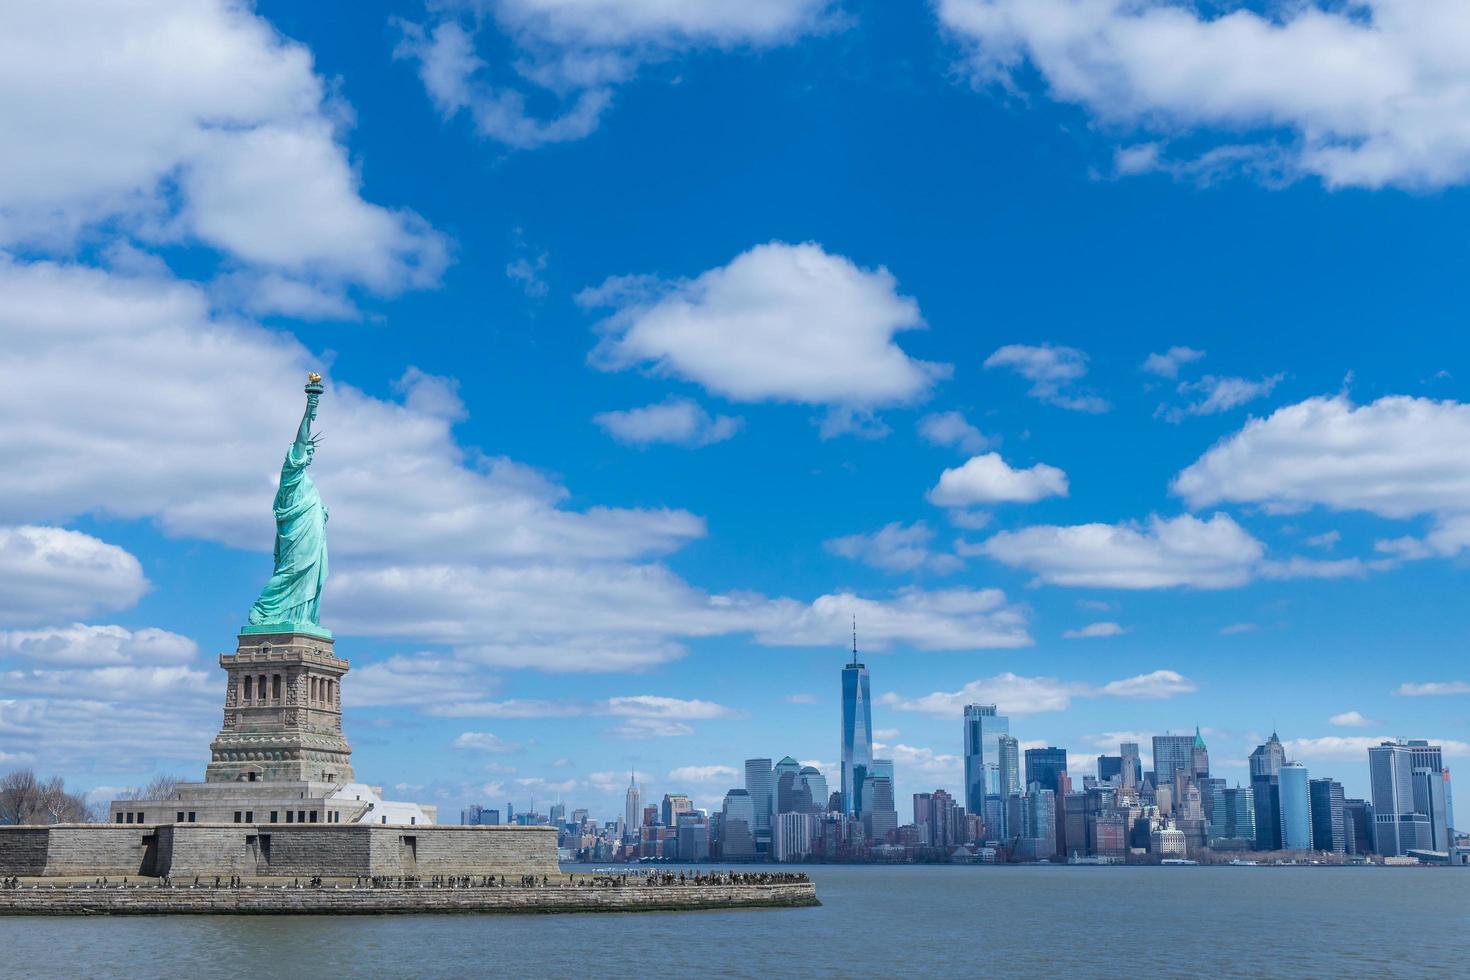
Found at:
(292, 598)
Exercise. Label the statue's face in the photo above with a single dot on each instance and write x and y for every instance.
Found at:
(310, 452)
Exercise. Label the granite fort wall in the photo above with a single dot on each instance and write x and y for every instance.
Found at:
(276, 850)
(346, 901)
(78, 849)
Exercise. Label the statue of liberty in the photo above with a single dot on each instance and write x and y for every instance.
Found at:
(291, 600)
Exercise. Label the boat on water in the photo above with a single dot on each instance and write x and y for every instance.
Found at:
(1238, 863)
(1178, 862)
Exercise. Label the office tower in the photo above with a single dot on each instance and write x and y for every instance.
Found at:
(1110, 768)
(857, 732)
(792, 837)
(1211, 790)
(1235, 816)
(1199, 757)
(792, 794)
(879, 814)
(787, 764)
(693, 836)
(737, 820)
(1357, 818)
(673, 805)
(632, 808)
(1265, 768)
(1329, 831)
(760, 785)
(1132, 769)
(1411, 797)
(816, 787)
(1172, 754)
(938, 816)
(983, 729)
(1296, 808)
(1040, 840)
(1008, 754)
(1045, 767)
(558, 814)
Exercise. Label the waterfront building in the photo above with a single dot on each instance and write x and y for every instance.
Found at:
(1173, 754)
(1329, 829)
(857, 732)
(1039, 837)
(997, 808)
(983, 729)
(1296, 808)
(1265, 769)
(1357, 818)
(1110, 768)
(792, 837)
(879, 815)
(1411, 797)
(1168, 842)
(479, 816)
(939, 818)
(1199, 757)
(1235, 811)
(1045, 767)
(760, 784)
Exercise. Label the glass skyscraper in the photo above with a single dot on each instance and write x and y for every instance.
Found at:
(857, 733)
(1045, 766)
(1172, 754)
(1411, 797)
(1329, 830)
(983, 728)
(1296, 808)
(760, 784)
(1265, 765)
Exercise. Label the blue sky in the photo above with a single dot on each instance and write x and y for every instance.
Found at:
(1106, 361)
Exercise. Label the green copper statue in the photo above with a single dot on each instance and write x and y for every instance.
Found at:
(291, 600)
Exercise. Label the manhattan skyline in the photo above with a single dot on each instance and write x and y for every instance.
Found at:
(781, 323)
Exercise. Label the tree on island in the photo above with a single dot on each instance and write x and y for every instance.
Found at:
(24, 798)
(159, 788)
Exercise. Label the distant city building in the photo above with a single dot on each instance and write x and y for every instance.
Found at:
(558, 814)
(1357, 818)
(879, 814)
(1008, 753)
(1045, 767)
(983, 729)
(1412, 807)
(1110, 768)
(737, 820)
(693, 836)
(1265, 769)
(478, 816)
(1296, 808)
(1199, 757)
(1173, 754)
(857, 732)
(816, 786)
(1235, 817)
(1329, 828)
(632, 808)
(760, 784)
(1168, 842)
(1132, 767)
(673, 805)
(792, 838)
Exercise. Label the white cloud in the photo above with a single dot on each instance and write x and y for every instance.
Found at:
(1355, 748)
(1353, 719)
(1386, 457)
(780, 322)
(1156, 685)
(1167, 364)
(1364, 94)
(1017, 695)
(80, 644)
(989, 479)
(1051, 371)
(639, 728)
(1327, 540)
(674, 420)
(48, 573)
(1433, 688)
(895, 548)
(625, 706)
(1163, 553)
(192, 121)
(616, 782)
(1235, 629)
(703, 774)
(801, 698)
(527, 272)
(485, 742)
(419, 679)
(576, 52)
(1095, 630)
(914, 760)
(951, 429)
(1213, 395)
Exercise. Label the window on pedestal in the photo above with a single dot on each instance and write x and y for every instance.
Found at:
(248, 687)
(276, 687)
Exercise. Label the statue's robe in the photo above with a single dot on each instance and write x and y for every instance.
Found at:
(294, 592)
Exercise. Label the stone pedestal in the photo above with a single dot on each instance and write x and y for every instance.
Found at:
(283, 712)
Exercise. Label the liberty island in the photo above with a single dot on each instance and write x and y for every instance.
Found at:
(281, 801)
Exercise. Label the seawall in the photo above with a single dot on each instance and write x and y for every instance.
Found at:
(155, 900)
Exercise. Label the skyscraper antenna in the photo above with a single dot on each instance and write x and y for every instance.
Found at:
(854, 640)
